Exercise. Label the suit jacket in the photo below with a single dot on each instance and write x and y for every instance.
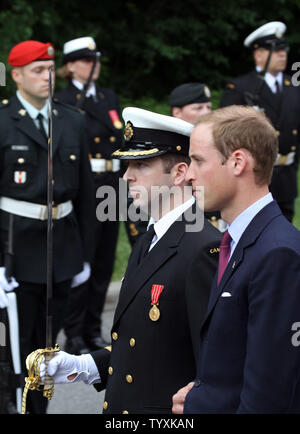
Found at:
(248, 363)
(284, 115)
(159, 357)
(24, 149)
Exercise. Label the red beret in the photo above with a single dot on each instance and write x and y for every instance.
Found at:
(29, 51)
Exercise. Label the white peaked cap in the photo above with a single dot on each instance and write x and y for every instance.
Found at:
(276, 28)
(141, 118)
(79, 44)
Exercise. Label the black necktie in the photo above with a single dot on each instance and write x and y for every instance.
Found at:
(41, 126)
(148, 237)
(278, 90)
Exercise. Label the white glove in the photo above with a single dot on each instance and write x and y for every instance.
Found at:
(63, 365)
(83, 276)
(5, 286)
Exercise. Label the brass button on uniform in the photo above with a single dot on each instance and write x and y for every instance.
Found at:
(293, 148)
(178, 148)
(105, 405)
(97, 139)
(112, 139)
(125, 412)
(21, 160)
(5, 101)
(129, 379)
(110, 370)
(72, 157)
(132, 342)
(98, 155)
(295, 132)
(114, 336)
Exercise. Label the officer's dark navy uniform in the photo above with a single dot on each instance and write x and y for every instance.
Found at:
(282, 107)
(23, 193)
(150, 357)
(104, 135)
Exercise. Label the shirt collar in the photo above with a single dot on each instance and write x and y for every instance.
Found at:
(270, 79)
(163, 224)
(240, 223)
(91, 91)
(31, 110)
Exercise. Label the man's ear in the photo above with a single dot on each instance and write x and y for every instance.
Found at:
(179, 172)
(176, 112)
(239, 161)
(16, 74)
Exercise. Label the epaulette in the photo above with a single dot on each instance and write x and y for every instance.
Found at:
(4, 102)
(68, 106)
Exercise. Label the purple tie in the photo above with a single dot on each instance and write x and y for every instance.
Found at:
(224, 254)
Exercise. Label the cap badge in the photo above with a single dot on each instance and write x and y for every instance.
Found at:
(207, 91)
(278, 33)
(50, 50)
(128, 133)
(91, 45)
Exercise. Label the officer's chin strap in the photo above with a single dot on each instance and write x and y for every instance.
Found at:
(33, 361)
(34, 380)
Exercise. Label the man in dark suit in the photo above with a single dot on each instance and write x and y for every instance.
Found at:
(269, 89)
(23, 194)
(104, 136)
(249, 360)
(164, 293)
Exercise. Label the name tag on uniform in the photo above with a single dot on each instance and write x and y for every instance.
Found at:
(20, 177)
(19, 148)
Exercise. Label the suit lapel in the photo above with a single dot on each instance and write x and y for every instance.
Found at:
(249, 237)
(25, 123)
(137, 275)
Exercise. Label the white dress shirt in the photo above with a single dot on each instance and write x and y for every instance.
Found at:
(90, 92)
(271, 79)
(34, 112)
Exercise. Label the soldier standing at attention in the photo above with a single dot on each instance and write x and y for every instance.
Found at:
(104, 135)
(23, 194)
(269, 89)
(164, 293)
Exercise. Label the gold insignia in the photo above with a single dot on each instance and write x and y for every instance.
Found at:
(295, 132)
(112, 139)
(108, 348)
(230, 85)
(278, 33)
(287, 82)
(255, 45)
(178, 148)
(91, 45)
(133, 231)
(215, 250)
(5, 101)
(22, 112)
(105, 405)
(50, 51)
(119, 153)
(207, 92)
(128, 133)
(118, 124)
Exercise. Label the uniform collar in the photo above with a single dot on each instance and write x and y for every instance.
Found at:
(31, 110)
(90, 92)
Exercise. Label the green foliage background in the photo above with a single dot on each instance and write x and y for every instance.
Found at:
(149, 47)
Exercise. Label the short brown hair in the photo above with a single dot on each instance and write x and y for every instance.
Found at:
(236, 127)
(170, 159)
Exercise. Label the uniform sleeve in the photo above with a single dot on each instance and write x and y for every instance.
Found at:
(271, 370)
(102, 358)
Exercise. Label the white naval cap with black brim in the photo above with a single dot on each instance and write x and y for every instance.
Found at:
(79, 48)
(267, 36)
(148, 134)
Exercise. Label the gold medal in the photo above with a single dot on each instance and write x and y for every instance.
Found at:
(154, 313)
